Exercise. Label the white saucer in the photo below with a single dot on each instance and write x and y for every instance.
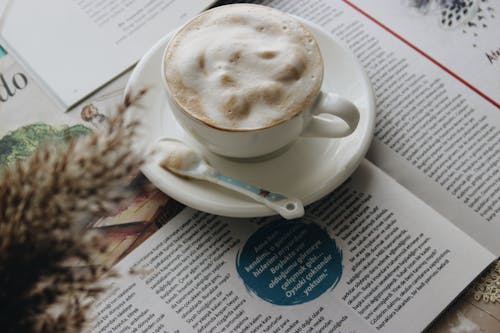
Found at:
(308, 170)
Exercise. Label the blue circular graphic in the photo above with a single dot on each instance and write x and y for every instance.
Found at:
(290, 262)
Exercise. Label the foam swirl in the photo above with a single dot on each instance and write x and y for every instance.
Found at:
(243, 67)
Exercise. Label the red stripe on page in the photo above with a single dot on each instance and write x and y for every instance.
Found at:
(470, 86)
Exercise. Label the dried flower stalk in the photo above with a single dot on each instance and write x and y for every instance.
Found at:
(42, 199)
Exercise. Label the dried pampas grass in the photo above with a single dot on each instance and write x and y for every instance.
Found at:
(41, 200)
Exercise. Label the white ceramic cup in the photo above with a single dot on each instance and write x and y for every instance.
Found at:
(341, 120)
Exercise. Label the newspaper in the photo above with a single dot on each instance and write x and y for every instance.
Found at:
(364, 259)
(403, 236)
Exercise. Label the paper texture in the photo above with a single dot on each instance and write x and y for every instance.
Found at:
(461, 38)
(74, 47)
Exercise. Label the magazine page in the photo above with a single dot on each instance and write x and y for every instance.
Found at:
(366, 258)
(469, 30)
(27, 114)
(434, 134)
(75, 47)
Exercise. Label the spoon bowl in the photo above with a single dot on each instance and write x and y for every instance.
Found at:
(183, 160)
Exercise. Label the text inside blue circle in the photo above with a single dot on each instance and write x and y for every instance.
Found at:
(290, 262)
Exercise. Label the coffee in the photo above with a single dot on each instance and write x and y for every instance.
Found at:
(243, 67)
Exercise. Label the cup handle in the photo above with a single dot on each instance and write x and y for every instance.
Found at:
(344, 123)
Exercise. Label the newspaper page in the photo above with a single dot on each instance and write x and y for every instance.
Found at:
(434, 134)
(75, 47)
(364, 259)
(394, 251)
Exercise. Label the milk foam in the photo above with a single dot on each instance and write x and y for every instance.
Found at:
(243, 67)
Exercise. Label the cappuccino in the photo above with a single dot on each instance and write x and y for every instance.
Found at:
(243, 67)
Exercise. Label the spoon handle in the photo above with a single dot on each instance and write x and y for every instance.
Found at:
(289, 208)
